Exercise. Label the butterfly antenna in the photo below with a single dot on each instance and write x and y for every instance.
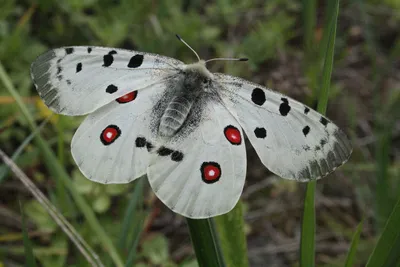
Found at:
(228, 59)
(180, 39)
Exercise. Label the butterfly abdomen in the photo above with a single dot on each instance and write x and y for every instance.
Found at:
(174, 116)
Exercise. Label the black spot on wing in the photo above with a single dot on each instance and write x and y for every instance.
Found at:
(59, 69)
(306, 130)
(111, 89)
(135, 61)
(78, 67)
(258, 96)
(260, 132)
(306, 110)
(177, 156)
(324, 121)
(164, 151)
(284, 107)
(140, 142)
(89, 50)
(109, 59)
(69, 50)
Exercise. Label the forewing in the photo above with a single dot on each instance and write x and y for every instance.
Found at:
(291, 139)
(201, 174)
(110, 146)
(78, 80)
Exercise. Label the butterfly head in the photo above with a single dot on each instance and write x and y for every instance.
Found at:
(199, 68)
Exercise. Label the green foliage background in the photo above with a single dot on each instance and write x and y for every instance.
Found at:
(125, 223)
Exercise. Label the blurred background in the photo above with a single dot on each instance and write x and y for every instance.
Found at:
(282, 40)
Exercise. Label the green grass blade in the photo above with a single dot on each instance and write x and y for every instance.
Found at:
(58, 172)
(309, 11)
(328, 65)
(387, 249)
(129, 218)
(323, 44)
(309, 16)
(130, 261)
(132, 225)
(384, 202)
(354, 244)
(230, 228)
(307, 243)
(205, 242)
(28, 250)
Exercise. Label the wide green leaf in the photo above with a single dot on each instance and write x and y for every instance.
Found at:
(230, 228)
(205, 242)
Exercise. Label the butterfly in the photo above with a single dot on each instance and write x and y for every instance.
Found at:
(181, 125)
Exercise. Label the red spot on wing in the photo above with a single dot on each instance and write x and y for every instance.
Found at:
(210, 172)
(110, 134)
(127, 98)
(233, 135)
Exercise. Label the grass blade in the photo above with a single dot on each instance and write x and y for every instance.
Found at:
(309, 16)
(386, 251)
(29, 257)
(309, 11)
(307, 243)
(130, 261)
(230, 228)
(354, 244)
(133, 222)
(328, 65)
(205, 242)
(128, 220)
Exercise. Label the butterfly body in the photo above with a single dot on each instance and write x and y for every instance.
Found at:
(188, 87)
(181, 125)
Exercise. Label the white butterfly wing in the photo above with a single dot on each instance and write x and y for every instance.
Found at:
(110, 146)
(201, 174)
(291, 139)
(78, 80)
